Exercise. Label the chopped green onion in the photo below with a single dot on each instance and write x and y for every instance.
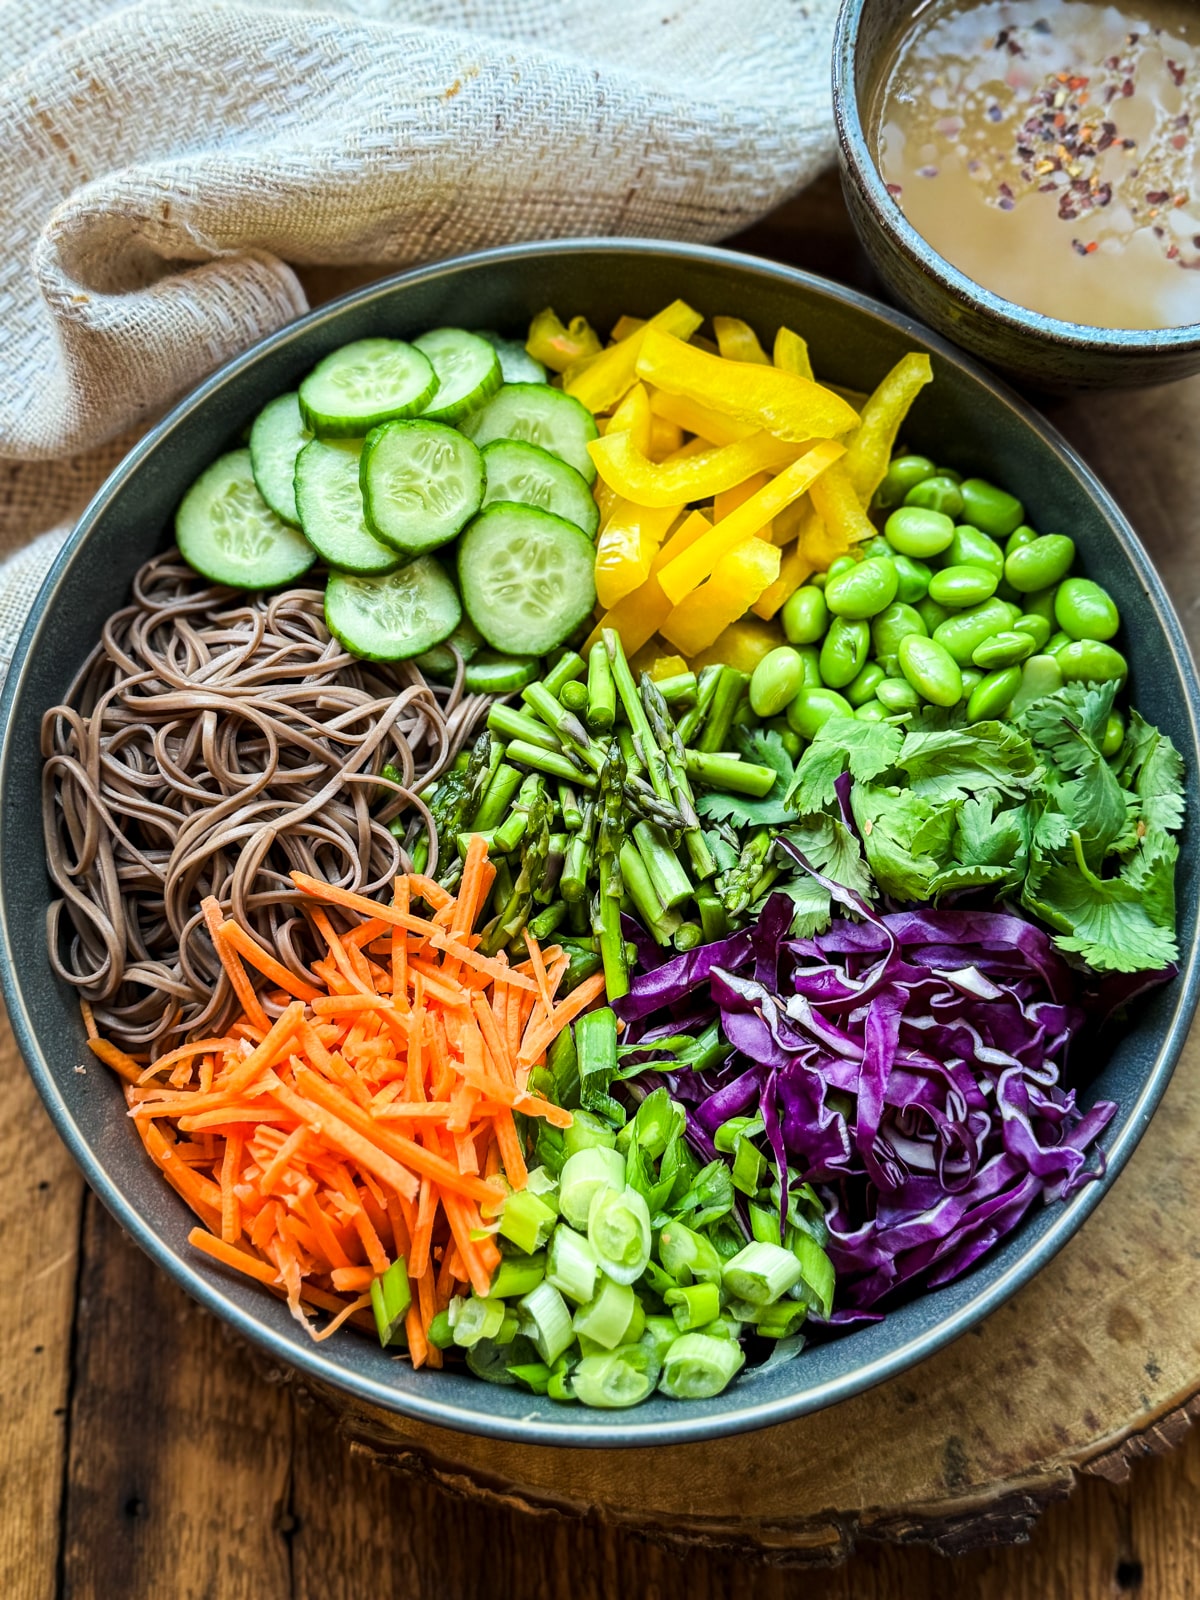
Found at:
(509, 1328)
(559, 1387)
(655, 1123)
(748, 1167)
(534, 1374)
(781, 1320)
(441, 1334)
(618, 1231)
(542, 1182)
(816, 1271)
(596, 1044)
(527, 1220)
(694, 1306)
(697, 1366)
(583, 1173)
(476, 1320)
(761, 1273)
(563, 1063)
(723, 1327)
(729, 1134)
(516, 1276)
(687, 1255)
(660, 1334)
(764, 1224)
(587, 1132)
(607, 1317)
(622, 1377)
(547, 1321)
(391, 1297)
(571, 1265)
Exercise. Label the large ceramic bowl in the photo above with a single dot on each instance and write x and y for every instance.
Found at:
(1045, 351)
(965, 418)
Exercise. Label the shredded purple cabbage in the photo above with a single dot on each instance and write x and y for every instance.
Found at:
(908, 1063)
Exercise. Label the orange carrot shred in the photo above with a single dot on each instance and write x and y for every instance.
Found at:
(231, 962)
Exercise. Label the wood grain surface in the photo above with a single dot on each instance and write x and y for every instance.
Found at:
(145, 1453)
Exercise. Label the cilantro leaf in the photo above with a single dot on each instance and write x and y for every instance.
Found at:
(1121, 924)
(985, 838)
(829, 846)
(959, 762)
(812, 904)
(1093, 802)
(866, 749)
(1153, 769)
(1066, 725)
(765, 747)
(899, 829)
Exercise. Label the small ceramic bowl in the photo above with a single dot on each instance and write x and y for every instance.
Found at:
(1037, 349)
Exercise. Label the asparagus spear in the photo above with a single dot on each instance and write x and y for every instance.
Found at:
(667, 737)
(644, 742)
(607, 909)
(602, 695)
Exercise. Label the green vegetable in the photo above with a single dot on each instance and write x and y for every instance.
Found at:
(618, 1231)
(989, 508)
(1090, 661)
(608, 1316)
(938, 493)
(861, 593)
(775, 681)
(963, 585)
(622, 1377)
(931, 670)
(894, 624)
(1040, 563)
(971, 547)
(526, 1220)
(391, 1297)
(902, 474)
(697, 1366)
(571, 1265)
(363, 384)
(844, 651)
(1007, 648)
(1085, 610)
(918, 533)
(694, 1306)
(760, 1273)
(546, 1319)
(583, 1175)
(805, 616)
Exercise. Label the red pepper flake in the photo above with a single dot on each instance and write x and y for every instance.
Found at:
(1158, 197)
(1172, 252)
(895, 190)
(1060, 120)
(1079, 247)
(1179, 141)
(1178, 73)
(1092, 248)
(1127, 88)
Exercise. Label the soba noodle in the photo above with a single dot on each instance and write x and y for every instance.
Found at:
(212, 743)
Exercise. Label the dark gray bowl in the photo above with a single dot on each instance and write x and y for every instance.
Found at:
(964, 417)
(1041, 350)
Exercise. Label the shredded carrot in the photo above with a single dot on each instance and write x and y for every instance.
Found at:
(373, 1118)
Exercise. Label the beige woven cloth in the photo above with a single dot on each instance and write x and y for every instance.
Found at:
(165, 165)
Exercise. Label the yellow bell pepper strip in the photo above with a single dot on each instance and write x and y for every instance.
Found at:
(794, 568)
(601, 382)
(624, 326)
(557, 347)
(633, 417)
(667, 667)
(820, 544)
(696, 475)
(786, 526)
(627, 545)
(730, 499)
(700, 420)
(869, 448)
(791, 353)
(665, 438)
(637, 617)
(737, 341)
(836, 502)
(737, 581)
(781, 403)
(682, 575)
(741, 645)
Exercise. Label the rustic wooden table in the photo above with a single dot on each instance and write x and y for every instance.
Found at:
(143, 1452)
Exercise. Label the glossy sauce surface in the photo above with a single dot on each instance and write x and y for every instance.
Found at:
(1048, 150)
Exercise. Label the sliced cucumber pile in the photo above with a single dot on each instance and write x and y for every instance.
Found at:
(228, 532)
(394, 617)
(526, 577)
(422, 483)
(330, 505)
(533, 477)
(389, 450)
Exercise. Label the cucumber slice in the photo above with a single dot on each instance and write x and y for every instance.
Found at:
(422, 483)
(393, 617)
(228, 532)
(526, 577)
(439, 662)
(539, 415)
(491, 673)
(516, 364)
(330, 504)
(468, 372)
(363, 384)
(276, 439)
(533, 477)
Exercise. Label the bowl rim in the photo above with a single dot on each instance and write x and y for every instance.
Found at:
(315, 1361)
(888, 217)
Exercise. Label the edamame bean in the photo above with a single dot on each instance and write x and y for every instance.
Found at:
(876, 548)
(938, 493)
(819, 580)
(962, 586)
(775, 681)
(864, 591)
(1040, 676)
(844, 652)
(916, 532)
(993, 695)
(1114, 735)
(792, 742)
(1005, 649)
(1041, 604)
(931, 670)
(1039, 564)
(949, 472)
(1056, 641)
(873, 711)
(810, 660)
(930, 613)
(913, 579)
(901, 475)
(897, 694)
(971, 547)
(1020, 536)
(962, 634)
(971, 677)
(805, 616)
(864, 686)
(989, 508)
(892, 625)
(1085, 610)
(837, 566)
(1091, 661)
(1005, 591)
(1036, 627)
(812, 709)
